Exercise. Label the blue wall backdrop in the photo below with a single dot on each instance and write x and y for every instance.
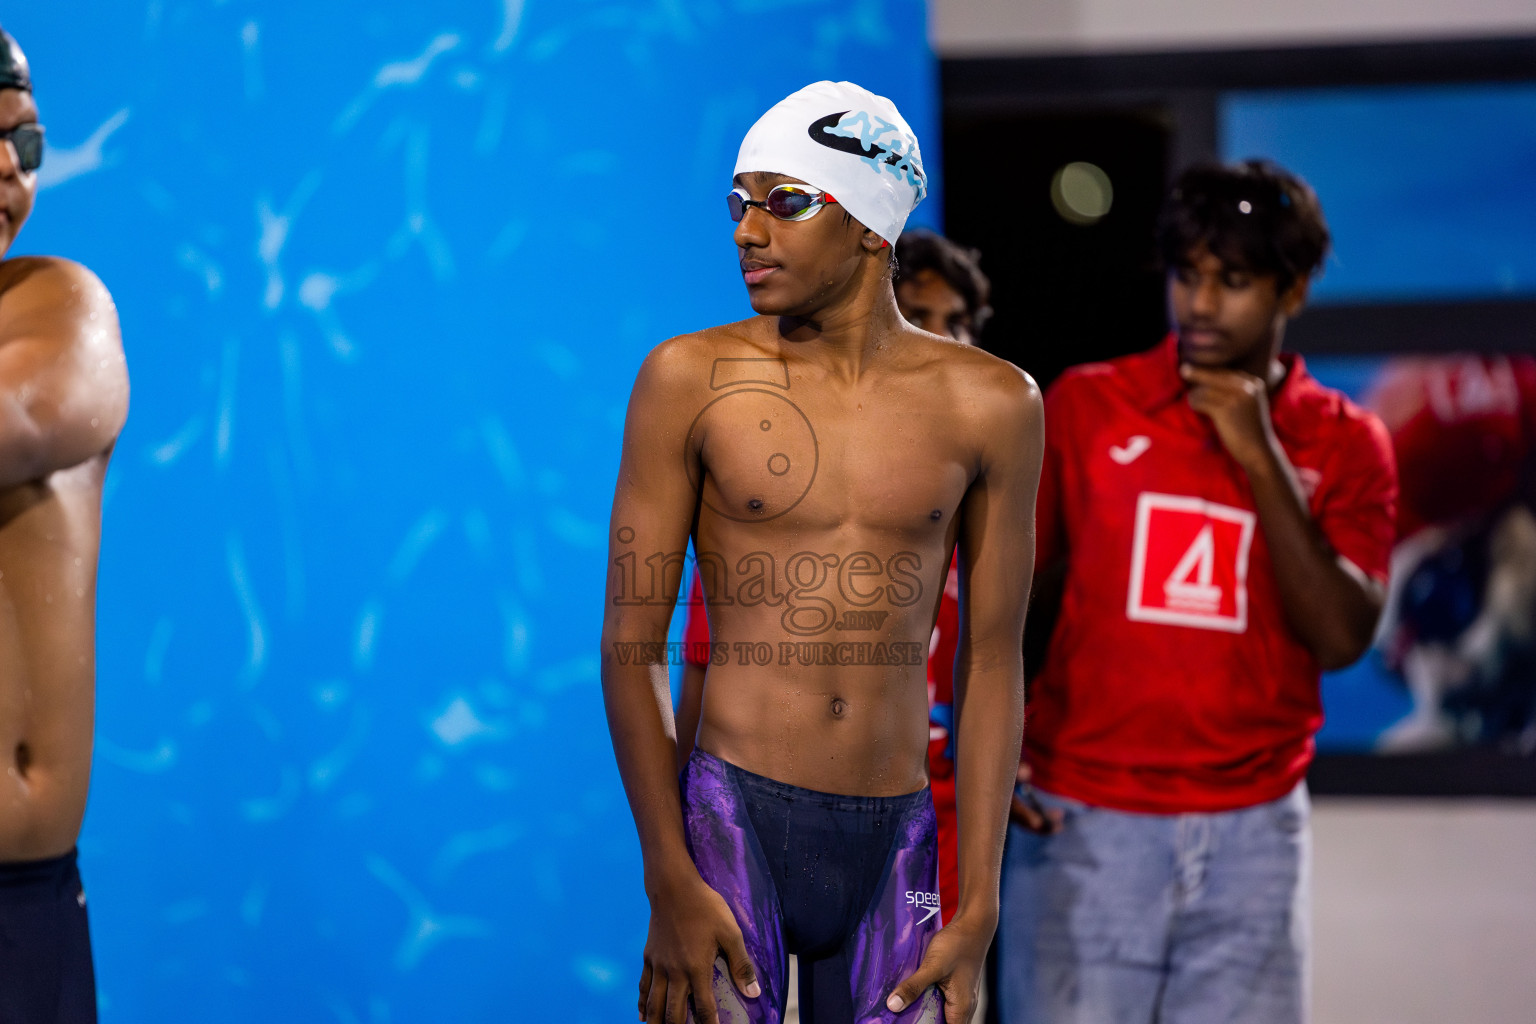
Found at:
(385, 272)
(1427, 188)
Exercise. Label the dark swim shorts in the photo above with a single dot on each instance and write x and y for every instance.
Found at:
(46, 974)
(848, 884)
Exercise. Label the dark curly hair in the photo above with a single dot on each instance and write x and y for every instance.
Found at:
(919, 249)
(1255, 215)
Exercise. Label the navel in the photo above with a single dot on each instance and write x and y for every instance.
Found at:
(839, 707)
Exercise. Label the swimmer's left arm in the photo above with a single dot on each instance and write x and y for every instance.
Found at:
(996, 566)
(63, 379)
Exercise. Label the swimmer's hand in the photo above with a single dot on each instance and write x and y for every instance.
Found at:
(690, 926)
(1026, 809)
(954, 961)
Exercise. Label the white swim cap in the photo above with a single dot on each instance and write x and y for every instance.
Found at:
(845, 140)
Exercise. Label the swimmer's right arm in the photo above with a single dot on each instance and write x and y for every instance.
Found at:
(653, 508)
(63, 380)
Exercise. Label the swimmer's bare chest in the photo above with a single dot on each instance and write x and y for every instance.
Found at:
(49, 542)
(825, 525)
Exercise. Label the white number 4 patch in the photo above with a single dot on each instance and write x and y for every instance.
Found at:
(1189, 563)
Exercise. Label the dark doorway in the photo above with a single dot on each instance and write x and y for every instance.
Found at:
(1071, 282)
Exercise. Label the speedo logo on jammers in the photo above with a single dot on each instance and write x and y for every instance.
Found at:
(928, 901)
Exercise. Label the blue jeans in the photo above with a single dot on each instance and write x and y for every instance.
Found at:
(1158, 918)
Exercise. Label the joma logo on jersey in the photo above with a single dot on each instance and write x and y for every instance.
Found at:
(1189, 563)
(928, 901)
(853, 620)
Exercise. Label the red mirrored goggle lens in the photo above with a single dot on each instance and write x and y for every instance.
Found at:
(786, 202)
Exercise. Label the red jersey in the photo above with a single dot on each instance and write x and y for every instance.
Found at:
(696, 626)
(1173, 682)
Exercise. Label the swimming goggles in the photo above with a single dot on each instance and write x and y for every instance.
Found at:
(786, 202)
(28, 140)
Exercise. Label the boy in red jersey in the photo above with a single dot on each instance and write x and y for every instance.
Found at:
(1225, 525)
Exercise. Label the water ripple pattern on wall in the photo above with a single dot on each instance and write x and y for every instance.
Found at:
(386, 271)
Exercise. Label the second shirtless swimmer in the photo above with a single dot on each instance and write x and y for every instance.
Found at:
(826, 458)
(65, 397)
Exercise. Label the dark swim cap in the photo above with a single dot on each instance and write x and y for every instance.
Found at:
(14, 73)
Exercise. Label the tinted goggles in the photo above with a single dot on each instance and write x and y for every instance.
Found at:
(786, 202)
(28, 140)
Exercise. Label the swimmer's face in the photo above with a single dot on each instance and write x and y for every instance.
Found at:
(930, 303)
(1228, 316)
(794, 268)
(17, 188)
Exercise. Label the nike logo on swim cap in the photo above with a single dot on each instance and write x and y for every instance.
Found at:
(821, 131)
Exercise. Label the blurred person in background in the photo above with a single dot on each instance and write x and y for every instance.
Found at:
(1220, 527)
(940, 287)
(1460, 625)
(66, 396)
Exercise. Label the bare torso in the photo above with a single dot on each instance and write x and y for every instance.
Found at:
(828, 513)
(62, 374)
(825, 473)
(50, 534)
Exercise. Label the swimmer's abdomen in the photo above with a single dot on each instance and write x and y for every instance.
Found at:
(49, 544)
(841, 710)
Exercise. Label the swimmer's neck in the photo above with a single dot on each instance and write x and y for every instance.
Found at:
(847, 337)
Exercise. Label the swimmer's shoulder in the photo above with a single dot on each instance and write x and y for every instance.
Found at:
(54, 290)
(47, 275)
(59, 328)
(753, 336)
(976, 378)
(684, 363)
